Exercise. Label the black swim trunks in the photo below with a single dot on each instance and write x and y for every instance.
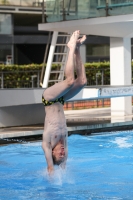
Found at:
(48, 103)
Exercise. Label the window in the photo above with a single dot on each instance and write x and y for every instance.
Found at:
(5, 24)
(98, 50)
(5, 54)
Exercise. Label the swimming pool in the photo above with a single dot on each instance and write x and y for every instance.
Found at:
(98, 167)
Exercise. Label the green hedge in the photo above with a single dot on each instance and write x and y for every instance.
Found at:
(16, 76)
(39, 66)
(15, 68)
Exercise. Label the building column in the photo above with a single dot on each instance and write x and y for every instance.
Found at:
(120, 74)
(83, 53)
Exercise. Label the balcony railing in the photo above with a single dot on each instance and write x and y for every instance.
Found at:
(64, 10)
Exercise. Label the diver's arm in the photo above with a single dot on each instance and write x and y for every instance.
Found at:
(46, 145)
(63, 165)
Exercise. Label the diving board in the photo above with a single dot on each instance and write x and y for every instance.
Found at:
(103, 92)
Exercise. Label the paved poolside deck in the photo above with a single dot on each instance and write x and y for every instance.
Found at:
(86, 121)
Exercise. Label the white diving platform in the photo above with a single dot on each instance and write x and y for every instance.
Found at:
(120, 30)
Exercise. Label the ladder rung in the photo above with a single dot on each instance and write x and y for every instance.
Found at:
(60, 53)
(69, 35)
(54, 80)
(64, 35)
(61, 44)
(56, 71)
(58, 62)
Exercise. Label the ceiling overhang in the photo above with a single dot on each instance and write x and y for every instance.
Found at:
(111, 26)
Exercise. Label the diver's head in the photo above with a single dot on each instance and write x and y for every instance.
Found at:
(58, 154)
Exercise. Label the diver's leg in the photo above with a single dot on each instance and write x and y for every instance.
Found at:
(61, 88)
(81, 80)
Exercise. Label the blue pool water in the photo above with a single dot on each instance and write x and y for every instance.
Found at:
(99, 167)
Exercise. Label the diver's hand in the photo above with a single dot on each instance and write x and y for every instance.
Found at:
(50, 171)
(63, 165)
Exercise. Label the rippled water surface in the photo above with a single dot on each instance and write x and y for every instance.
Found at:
(99, 167)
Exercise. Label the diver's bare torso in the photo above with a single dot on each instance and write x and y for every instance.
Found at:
(55, 129)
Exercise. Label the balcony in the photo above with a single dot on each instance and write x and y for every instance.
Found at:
(112, 18)
(65, 10)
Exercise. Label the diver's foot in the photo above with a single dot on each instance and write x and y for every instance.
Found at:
(80, 41)
(73, 40)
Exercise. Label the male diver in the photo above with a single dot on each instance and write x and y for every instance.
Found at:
(55, 133)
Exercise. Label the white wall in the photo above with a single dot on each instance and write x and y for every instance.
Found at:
(21, 107)
(21, 115)
(14, 97)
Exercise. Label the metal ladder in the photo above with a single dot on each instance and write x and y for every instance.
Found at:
(58, 54)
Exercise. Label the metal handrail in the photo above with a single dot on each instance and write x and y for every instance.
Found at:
(98, 78)
(108, 6)
(115, 5)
